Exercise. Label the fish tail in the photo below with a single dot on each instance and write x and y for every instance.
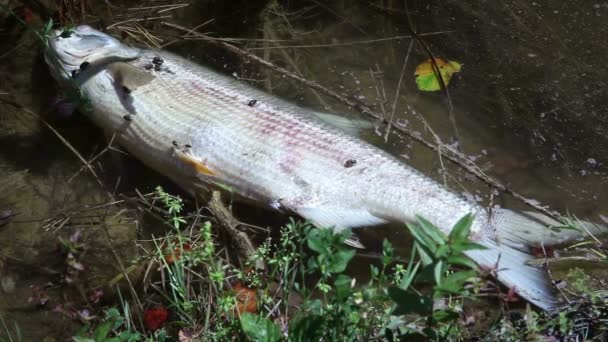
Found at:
(521, 230)
(509, 252)
(531, 283)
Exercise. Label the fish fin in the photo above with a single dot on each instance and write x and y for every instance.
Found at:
(522, 229)
(354, 241)
(531, 283)
(339, 219)
(196, 164)
(128, 76)
(348, 126)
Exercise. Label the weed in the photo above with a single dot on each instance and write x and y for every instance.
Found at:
(305, 292)
(107, 330)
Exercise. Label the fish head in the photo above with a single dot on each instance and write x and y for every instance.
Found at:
(68, 50)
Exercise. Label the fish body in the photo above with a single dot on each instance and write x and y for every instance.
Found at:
(202, 128)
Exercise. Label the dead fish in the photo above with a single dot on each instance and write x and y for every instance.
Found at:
(202, 128)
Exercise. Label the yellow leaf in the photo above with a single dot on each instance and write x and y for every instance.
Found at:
(426, 79)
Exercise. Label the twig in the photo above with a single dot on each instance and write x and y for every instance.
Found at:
(96, 157)
(231, 224)
(440, 145)
(308, 46)
(446, 151)
(380, 92)
(394, 108)
(546, 265)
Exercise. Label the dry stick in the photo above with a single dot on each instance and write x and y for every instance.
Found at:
(394, 108)
(231, 224)
(446, 151)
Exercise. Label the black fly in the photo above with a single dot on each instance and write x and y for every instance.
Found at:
(252, 103)
(158, 62)
(350, 163)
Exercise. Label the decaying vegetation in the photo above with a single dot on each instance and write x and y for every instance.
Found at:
(129, 266)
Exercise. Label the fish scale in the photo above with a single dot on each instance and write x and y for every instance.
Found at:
(322, 150)
(277, 153)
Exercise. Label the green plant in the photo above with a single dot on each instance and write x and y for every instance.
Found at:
(306, 293)
(109, 330)
(443, 265)
(387, 305)
(173, 204)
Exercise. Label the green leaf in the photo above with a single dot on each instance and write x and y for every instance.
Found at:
(112, 339)
(424, 241)
(316, 240)
(49, 26)
(409, 277)
(445, 315)
(442, 251)
(462, 228)
(410, 302)
(432, 231)
(454, 283)
(387, 252)
(342, 286)
(340, 261)
(130, 336)
(103, 330)
(315, 306)
(459, 247)
(461, 260)
(424, 254)
(260, 329)
(114, 315)
(438, 272)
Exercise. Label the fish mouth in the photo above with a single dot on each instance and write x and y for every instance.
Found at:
(67, 49)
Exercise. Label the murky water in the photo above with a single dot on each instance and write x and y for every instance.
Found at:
(530, 105)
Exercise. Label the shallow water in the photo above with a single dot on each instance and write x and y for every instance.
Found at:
(530, 105)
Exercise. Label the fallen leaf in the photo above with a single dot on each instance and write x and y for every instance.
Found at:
(245, 298)
(426, 79)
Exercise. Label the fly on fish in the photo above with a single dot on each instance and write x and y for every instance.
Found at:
(204, 129)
